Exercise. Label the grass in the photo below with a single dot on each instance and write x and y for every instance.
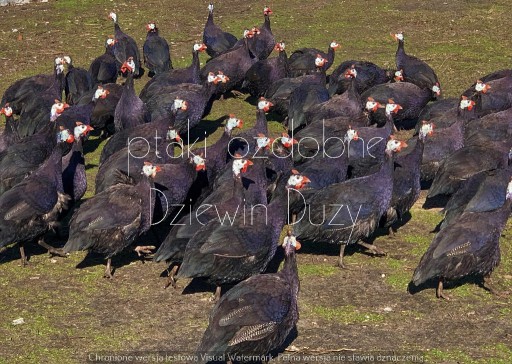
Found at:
(347, 315)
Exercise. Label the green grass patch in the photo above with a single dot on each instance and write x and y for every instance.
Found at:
(316, 270)
(347, 315)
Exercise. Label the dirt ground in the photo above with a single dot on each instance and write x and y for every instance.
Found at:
(360, 314)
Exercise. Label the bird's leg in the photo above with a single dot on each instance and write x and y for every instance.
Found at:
(486, 284)
(372, 248)
(237, 94)
(51, 250)
(108, 269)
(144, 250)
(339, 263)
(391, 232)
(171, 281)
(439, 290)
(216, 296)
(23, 256)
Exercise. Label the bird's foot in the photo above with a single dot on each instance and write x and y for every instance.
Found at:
(237, 94)
(108, 270)
(373, 249)
(171, 281)
(216, 297)
(486, 284)
(440, 291)
(144, 250)
(51, 250)
(391, 232)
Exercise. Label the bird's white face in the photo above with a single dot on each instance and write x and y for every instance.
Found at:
(222, 78)
(392, 108)
(436, 89)
(210, 7)
(172, 134)
(399, 36)
(199, 163)
(58, 108)
(395, 146)
(59, 60)
(100, 93)
(112, 16)
(151, 26)
(111, 42)
(128, 65)
(481, 87)
(320, 61)
(351, 135)
(82, 130)
(465, 103)
(291, 240)
(200, 47)
(264, 105)
(233, 122)
(6, 110)
(426, 129)
(180, 104)
(65, 136)
(150, 169)
(351, 73)
(240, 166)
(509, 190)
(334, 45)
(67, 59)
(287, 141)
(297, 181)
(372, 105)
(263, 141)
(212, 78)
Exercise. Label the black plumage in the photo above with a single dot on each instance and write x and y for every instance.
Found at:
(126, 47)
(103, 69)
(304, 61)
(368, 75)
(217, 41)
(156, 52)
(262, 42)
(78, 81)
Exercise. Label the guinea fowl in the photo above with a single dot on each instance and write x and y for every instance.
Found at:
(229, 252)
(77, 82)
(469, 246)
(196, 104)
(102, 117)
(328, 214)
(83, 113)
(264, 72)
(103, 69)
(262, 42)
(415, 70)
(406, 178)
(348, 104)
(125, 47)
(368, 75)
(279, 92)
(36, 115)
(112, 220)
(148, 132)
(27, 89)
(436, 109)
(412, 99)
(189, 74)
(302, 61)
(234, 64)
(217, 41)
(496, 127)
(156, 52)
(492, 96)
(257, 315)
(130, 110)
(74, 180)
(26, 156)
(32, 206)
(482, 192)
(9, 135)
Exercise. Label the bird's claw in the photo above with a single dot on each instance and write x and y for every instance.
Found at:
(144, 250)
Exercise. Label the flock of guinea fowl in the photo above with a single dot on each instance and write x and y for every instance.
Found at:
(337, 175)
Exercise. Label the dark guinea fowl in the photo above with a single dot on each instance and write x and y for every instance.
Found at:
(103, 69)
(25, 156)
(130, 110)
(130, 159)
(224, 252)
(492, 96)
(437, 108)
(189, 74)
(217, 41)
(412, 99)
(257, 315)
(9, 135)
(406, 178)
(279, 92)
(343, 213)
(150, 133)
(468, 161)
(415, 70)
(80, 112)
(156, 52)
(32, 206)
(366, 146)
(368, 75)
(482, 192)
(78, 81)
(37, 114)
(183, 229)
(110, 221)
(469, 246)
(303, 61)
(234, 64)
(494, 127)
(74, 180)
(125, 47)
(263, 42)
(104, 110)
(27, 89)
(194, 102)
(348, 104)
(263, 73)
